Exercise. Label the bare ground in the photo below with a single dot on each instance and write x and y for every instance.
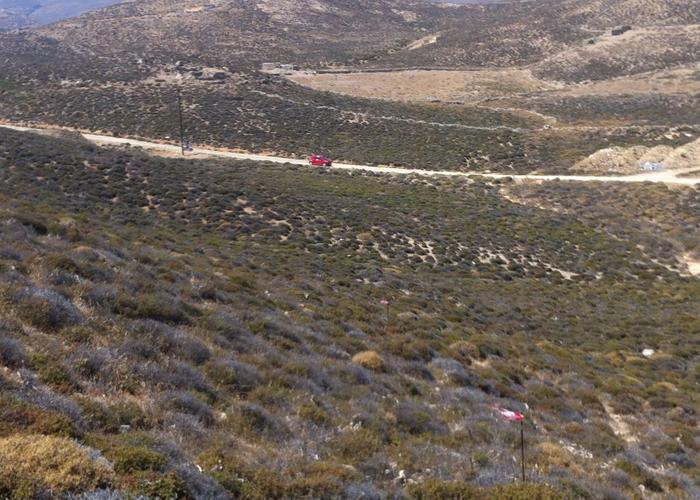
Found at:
(628, 160)
(421, 85)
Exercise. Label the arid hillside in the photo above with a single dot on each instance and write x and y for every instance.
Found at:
(241, 35)
(211, 329)
(527, 103)
(555, 36)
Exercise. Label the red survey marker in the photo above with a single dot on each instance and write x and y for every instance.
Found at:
(514, 416)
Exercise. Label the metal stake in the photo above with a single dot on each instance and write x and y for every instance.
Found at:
(522, 448)
(182, 127)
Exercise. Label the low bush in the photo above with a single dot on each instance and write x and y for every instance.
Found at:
(445, 490)
(251, 418)
(358, 445)
(110, 417)
(45, 309)
(18, 416)
(136, 458)
(370, 360)
(453, 490)
(32, 466)
(317, 480)
(314, 413)
(11, 353)
(640, 475)
(184, 402)
(236, 375)
(52, 372)
(552, 455)
(129, 453)
(159, 308)
(464, 351)
(416, 419)
(158, 486)
(410, 349)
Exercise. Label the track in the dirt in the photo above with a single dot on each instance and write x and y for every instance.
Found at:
(663, 177)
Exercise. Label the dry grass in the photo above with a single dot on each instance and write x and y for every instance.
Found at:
(34, 465)
(464, 351)
(424, 85)
(370, 360)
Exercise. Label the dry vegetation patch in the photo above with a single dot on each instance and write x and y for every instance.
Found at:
(369, 359)
(32, 466)
(214, 331)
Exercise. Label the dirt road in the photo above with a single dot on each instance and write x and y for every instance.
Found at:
(664, 177)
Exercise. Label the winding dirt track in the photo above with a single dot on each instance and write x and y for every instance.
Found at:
(664, 177)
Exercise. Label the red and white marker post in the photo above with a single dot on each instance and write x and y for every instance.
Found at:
(385, 303)
(515, 416)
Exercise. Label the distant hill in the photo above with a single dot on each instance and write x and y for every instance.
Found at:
(562, 39)
(22, 13)
(241, 34)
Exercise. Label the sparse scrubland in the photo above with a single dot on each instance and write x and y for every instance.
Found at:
(172, 328)
(182, 329)
(117, 71)
(268, 114)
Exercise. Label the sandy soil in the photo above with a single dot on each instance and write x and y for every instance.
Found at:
(693, 264)
(619, 160)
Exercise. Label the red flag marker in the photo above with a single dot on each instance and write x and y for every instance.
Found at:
(513, 416)
(516, 416)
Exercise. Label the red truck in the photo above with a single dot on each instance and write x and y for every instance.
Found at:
(320, 161)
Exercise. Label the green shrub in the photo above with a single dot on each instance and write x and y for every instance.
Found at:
(434, 489)
(464, 351)
(315, 414)
(51, 372)
(157, 486)
(357, 445)
(17, 416)
(525, 491)
(38, 225)
(640, 475)
(411, 349)
(136, 458)
(160, 308)
(255, 421)
(109, 418)
(453, 490)
(130, 452)
(317, 480)
(45, 309)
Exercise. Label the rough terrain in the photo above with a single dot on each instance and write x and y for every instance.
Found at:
(237, 324)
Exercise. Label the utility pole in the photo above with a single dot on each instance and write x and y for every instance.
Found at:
(182, 127)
